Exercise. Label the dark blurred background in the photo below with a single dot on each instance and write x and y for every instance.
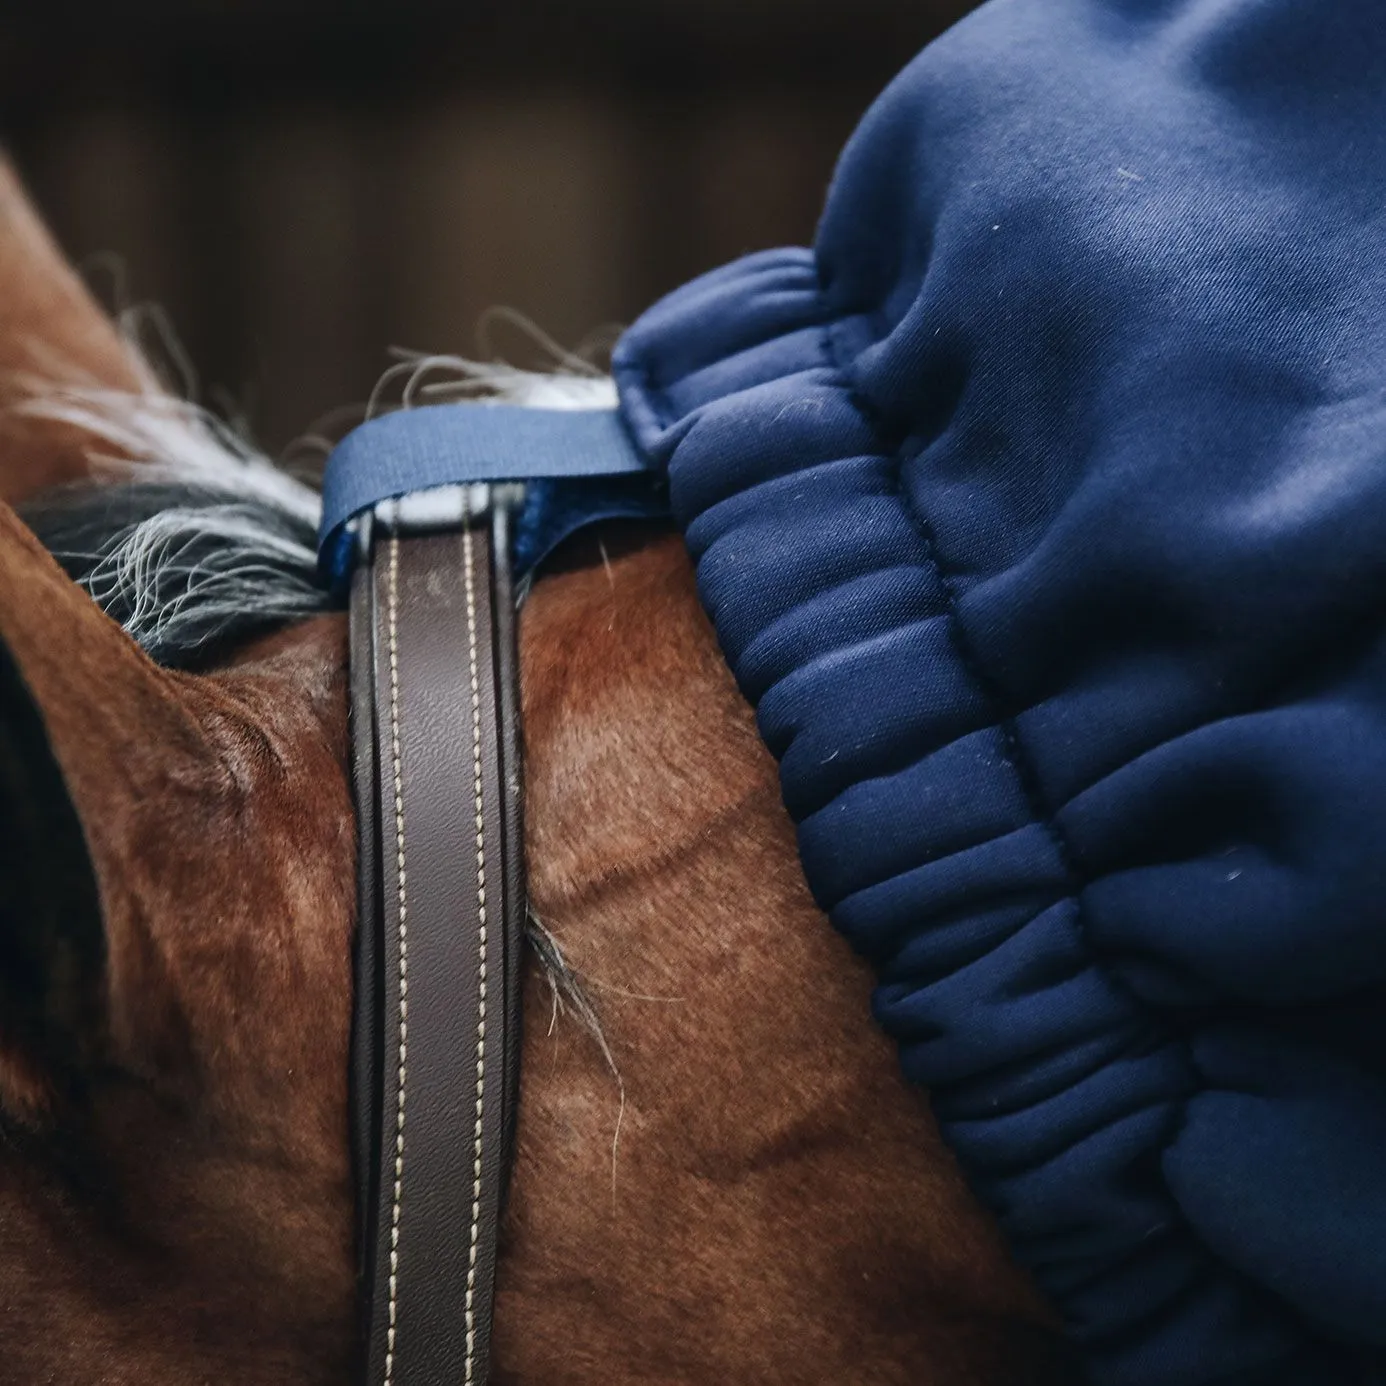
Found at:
(303, 184)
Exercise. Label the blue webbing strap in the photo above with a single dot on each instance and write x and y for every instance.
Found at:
(454, 444)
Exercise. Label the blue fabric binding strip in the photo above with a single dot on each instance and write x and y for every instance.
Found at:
(452, 444)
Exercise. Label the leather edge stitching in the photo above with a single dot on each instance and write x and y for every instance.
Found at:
(403, 1042)
(478, 1130)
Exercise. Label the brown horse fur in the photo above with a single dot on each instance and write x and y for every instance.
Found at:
(175, 1206)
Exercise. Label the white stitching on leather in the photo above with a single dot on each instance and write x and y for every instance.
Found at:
(481, 932)
(393, 605)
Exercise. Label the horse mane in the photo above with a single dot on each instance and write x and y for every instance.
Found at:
(188, 535)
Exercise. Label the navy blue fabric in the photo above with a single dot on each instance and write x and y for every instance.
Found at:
(1041, 511)
(556, 508)
(582, 462)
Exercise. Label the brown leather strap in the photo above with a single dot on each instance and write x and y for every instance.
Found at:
(436, 1036)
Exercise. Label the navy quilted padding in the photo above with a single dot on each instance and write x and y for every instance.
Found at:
(1041, 511)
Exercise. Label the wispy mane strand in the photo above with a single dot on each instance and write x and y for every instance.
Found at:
(188, 535)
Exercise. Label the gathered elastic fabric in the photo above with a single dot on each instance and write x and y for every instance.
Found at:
(1041, 513)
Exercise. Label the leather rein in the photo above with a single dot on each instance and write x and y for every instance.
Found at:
(435, 716)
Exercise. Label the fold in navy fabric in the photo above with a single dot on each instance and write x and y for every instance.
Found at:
(1041, 511)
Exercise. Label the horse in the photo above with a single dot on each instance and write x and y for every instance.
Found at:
(720, 1174)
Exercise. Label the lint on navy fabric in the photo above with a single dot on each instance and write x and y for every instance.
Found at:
(1041, 511)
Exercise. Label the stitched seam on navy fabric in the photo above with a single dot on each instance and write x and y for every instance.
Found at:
(1028, 780)
(1015, 752)
(897, 440)
(1258, 1298)
(1005, 723)
(838, 350)
(656, 395)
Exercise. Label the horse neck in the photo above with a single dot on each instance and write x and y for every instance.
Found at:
(729, 1183)
(748, 1175)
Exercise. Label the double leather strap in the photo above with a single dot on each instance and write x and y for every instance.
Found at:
(436, 1042)
(418, 509)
